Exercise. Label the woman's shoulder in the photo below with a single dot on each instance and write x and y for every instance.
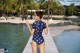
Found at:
(34, 22)
(44, 22)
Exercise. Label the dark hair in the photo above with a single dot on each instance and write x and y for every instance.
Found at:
(40, 14)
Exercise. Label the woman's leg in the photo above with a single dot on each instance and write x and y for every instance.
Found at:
(42, 47)
(34, 47)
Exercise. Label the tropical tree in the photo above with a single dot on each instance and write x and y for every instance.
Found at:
(54, 6)
(71, 9)
(39, 3)
(32, 4)
(21, 6)
(1, 5)
(4, 6)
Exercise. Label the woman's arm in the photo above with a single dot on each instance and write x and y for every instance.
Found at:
(31, 30)
(46, 29)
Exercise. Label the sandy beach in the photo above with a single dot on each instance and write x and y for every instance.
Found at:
(57, 30)
(18, 20)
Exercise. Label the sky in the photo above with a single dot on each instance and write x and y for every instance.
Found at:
(68, 2)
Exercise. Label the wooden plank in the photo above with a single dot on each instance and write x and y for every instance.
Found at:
(50, 46)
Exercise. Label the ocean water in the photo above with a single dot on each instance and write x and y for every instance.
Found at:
(13, 37)
(68, 41)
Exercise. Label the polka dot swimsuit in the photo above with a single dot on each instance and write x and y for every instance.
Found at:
(38, 26)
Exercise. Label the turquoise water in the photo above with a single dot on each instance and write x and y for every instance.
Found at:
(13, 37)
(68, 41)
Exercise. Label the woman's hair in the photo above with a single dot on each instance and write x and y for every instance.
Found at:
(40, 14)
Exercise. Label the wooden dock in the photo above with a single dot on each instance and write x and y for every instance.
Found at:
(50, 46)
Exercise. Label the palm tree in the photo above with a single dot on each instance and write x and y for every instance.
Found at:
(40, 3)
(21, 4)
(31, 4)
(13, 6)
(4, 7)
(71, 8)
(52, 7)
(1, 5)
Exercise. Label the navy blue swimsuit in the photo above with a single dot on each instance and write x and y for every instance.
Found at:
(38, 26)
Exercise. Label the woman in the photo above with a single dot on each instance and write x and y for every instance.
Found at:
(37, 28)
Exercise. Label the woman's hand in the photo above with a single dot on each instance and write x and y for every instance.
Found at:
(27, 23)
(31, 30)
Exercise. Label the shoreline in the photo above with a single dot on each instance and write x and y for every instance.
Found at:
(18, 20)
(61, 16)
(57, 30)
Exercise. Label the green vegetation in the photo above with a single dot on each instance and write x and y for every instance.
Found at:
(20, 7)
(72, 10)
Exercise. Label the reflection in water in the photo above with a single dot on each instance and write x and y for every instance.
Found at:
(68, 41)
(13, 37)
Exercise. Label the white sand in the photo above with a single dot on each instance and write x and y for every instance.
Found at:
(57, 30)
(18, 20)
